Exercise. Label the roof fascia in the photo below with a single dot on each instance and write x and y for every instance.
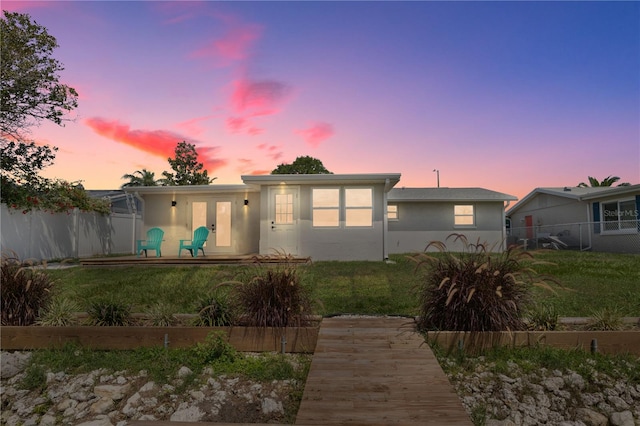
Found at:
(618, 190)
(537, 191)
(389, 179)
(191, 189)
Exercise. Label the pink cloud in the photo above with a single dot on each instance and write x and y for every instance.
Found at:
(272, 151)
(316, 133)
(236, 124)
(161, 143)
(234, 45)
(255, 98)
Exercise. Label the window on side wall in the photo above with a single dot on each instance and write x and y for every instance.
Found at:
(358, 207)
(392, 211)
(464, 215)
(326, 207)
(619, 216)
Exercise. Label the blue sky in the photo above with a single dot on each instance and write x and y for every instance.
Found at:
(509, 96)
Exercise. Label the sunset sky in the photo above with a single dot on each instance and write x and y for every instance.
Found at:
(507, 96)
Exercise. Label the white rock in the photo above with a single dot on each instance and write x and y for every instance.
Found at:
(47, 420)
(102, 406)
(184, 372)
(624, 418)
(271, 406)
(12, 363)
(186, 413)
(591, 417)
(114, 392)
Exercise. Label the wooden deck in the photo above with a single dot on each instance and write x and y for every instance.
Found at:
(187, 260)
(376, 371)
(372, 372)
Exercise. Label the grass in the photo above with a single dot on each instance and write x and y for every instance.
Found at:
(593, 281)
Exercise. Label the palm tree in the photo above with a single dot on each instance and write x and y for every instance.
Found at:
(140, 178)
(608, 181)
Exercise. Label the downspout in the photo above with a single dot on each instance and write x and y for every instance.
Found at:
(385, 221)
(589, 229)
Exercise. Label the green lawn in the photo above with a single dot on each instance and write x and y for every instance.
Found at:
(593, 281)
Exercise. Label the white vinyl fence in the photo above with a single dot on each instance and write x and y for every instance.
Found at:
(44, 236)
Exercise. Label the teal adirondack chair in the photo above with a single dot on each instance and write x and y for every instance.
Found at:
(153, 242)
(197, 243)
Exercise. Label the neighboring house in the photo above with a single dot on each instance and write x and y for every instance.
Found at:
(121, 202)
(418, 216)
(324, 217)
(592, 218)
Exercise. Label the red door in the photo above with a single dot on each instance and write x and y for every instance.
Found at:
(528, 222)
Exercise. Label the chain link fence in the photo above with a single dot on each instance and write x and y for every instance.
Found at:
(618, 237)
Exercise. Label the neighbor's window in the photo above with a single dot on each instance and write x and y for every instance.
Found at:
(326, 207)
(392, 212)
(463, 215)
(619, 215)
(358, 206)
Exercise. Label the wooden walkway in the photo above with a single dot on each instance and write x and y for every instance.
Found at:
(376, 371)
(372, 372)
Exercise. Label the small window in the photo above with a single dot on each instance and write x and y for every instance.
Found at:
(284, 209)
(326, 207)
(392, 212)
(619, 215)
(464, 215)
(358, 206)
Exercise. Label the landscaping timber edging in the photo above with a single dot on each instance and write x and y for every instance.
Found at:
(244, 339)
(609, 342)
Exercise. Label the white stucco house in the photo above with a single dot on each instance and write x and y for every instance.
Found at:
(600, 218)
(324, 217)
(417, 216)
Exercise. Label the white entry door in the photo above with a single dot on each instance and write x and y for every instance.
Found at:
(283, 220)
(216, 216)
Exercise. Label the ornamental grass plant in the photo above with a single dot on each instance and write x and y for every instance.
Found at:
(476, 289)
(272, 296)
(25, 290)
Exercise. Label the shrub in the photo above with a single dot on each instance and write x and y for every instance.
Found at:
(59, 312)
(109, 313)
(475, 290)
(273, 297)
(161, 315)
(542, 317)
(606, 319)
(24, 291)
(214, 311)
(215, 348)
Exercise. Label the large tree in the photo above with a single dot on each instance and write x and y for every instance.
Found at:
(31, 90)
(188, 171)
(302, 166)
(140, 178)
(608, 181)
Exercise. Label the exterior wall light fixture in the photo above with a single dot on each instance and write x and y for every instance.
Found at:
(173, 203)
(246, 202)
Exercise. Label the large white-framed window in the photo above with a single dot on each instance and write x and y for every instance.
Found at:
(392, 212)
(464, 215)
(619, 216)
(325, 204)
(358, 204)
